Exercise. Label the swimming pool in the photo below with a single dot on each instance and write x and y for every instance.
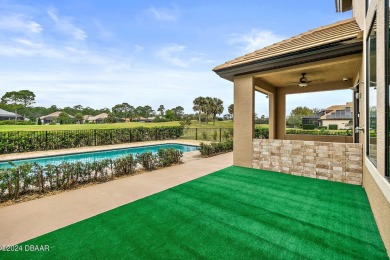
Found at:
(100, 155)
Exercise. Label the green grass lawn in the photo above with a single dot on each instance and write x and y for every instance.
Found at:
(195, 124)
(234, 213)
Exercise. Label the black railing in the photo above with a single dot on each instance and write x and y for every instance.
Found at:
(208, 134)
(27, 141)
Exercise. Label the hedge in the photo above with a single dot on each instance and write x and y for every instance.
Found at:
(318, 132)
(212, 149)
(333, 127)
(263, 133)
(27, 141)
(19, 122)
(32, 178)
(308, 127)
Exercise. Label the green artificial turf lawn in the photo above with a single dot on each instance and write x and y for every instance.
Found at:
(232, 213)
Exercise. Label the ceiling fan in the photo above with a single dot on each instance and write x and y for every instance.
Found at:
(303, 81)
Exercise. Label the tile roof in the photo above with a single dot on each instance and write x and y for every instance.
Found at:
(5, 113)
(55, 114)
(336, 32)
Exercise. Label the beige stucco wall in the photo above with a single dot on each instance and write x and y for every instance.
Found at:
(244, 110)
(359, 12)
(374, 182)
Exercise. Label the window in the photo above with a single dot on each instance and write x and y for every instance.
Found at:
(371, 85)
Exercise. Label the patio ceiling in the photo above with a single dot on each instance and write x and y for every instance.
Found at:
(320, 73)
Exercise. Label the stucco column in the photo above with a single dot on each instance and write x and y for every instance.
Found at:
(280, 113)
(271, 123)
(244, 109)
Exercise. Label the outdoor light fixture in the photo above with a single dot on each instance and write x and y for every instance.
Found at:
(355, 87)
(303, 84)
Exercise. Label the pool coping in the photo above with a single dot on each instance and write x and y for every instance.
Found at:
(88, 149)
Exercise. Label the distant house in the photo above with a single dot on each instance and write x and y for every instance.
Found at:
(144, 119)
(52, 118)
(313, 119)
(97, 119)
(5, 115)
(340, 115)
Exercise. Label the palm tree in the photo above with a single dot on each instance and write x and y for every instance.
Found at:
(216, 108)
(161, 109)
(208, 107)
(199, 104)
(231, 110)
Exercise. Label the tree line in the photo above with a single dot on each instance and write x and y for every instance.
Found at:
(206, 109)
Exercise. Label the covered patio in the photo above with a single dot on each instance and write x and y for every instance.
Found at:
(233, 213)
(324, 59)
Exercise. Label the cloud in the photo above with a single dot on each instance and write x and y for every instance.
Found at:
(254, 40)
(170, 53)
(162, 14)
(20, 23)
(64, 25)
(103, 33)
(178, 55)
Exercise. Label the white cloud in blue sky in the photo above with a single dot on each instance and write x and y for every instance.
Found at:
(101, 53)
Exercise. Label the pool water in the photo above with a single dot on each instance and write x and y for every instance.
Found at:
(100, 155)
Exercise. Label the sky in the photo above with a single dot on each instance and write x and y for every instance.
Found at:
(101, 53)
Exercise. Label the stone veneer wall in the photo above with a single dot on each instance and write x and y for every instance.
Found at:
(341, 162)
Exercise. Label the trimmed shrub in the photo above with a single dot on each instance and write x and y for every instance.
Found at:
(333, 127)
(18, 122)
(262, 133)
(308, 127)
(148, 160)
(212, 149)
(318, 132)
(169, 156)
(32, 178)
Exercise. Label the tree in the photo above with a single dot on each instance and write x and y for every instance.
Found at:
(78, 108)
(39, 121)
(161, 109)
(231, 110)
(170, 115)
(216, 108)
(79, 117)
(148, 111)
(110, 118)
(295, 117)
(64, 118)
(185, 122)
(12, 98)
(140, 111)
(199, 106)
(123, 110)
(179, 112)
(27, 97)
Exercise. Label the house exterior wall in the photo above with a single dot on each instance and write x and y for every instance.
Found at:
(375, 183)
(341, 124)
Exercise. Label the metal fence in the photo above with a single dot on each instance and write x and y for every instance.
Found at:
(208, 134)
(27, 141)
